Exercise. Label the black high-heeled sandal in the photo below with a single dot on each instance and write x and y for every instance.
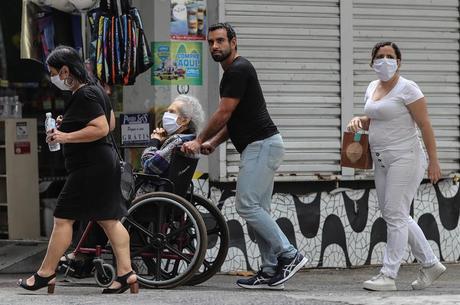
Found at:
(123, 280)
(39, 283)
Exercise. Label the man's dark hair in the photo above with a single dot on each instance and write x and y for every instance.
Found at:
(224, 25)
(383, 44)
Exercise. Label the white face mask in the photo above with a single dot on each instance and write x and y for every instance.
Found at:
(59, 83)
(385, 68)
(170, 123)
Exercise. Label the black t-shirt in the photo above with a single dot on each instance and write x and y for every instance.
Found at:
(250, 120)
(86, 104)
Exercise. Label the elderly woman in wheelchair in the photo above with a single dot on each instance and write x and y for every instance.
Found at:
(181, 123)
(176, 237)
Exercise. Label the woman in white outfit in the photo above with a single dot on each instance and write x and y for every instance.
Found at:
(394, 107)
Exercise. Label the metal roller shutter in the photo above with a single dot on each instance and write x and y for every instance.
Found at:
(428, 34)
(295, 48)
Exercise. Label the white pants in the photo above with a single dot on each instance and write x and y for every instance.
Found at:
(397, 177)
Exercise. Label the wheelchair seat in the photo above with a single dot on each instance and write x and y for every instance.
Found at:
(181, 170)
(177, 180)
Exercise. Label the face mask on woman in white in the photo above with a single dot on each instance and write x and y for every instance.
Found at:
(385, 68)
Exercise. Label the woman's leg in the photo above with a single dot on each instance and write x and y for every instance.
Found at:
(119, 239)
(60, 240)
(403, 179)
(417, 240)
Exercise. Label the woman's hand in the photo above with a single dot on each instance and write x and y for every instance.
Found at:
(434, 171)
(55, 136)
(355, 124)
(59, 121)
(159, 134)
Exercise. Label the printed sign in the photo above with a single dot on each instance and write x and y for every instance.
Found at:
(177, 63)
(21, 131)
(188, 20)
(21, 148)
(135, 129)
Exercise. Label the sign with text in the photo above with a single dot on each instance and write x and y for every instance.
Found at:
(177, 63)
(21, 130)
(188, 20)
(21, 148)
(135, 129)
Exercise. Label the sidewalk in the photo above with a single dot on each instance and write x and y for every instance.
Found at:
(18, 256)
(312, 286)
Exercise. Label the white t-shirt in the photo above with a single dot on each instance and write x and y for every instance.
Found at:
(392, 126)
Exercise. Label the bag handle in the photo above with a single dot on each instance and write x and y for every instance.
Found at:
(116, 146)
(108, 117)
(125, 6)
(104, 5)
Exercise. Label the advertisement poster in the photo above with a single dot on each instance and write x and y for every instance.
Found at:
(135, 129)
(177, 63)
(188, 20)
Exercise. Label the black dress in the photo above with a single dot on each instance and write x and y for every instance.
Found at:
(92, 189)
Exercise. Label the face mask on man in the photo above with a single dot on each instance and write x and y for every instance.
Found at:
(385, 68)
(170, 123)
(59, 83)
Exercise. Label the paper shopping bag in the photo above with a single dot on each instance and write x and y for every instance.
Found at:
(355, 151)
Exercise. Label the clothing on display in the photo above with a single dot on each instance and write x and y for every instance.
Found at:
(44, 28)
(119, 50)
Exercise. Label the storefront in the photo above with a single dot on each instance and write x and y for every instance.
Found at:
(312, 59)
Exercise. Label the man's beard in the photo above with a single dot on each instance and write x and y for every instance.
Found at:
(221, 57)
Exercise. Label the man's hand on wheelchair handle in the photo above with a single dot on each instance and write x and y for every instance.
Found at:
(191, 147)
(207, 148)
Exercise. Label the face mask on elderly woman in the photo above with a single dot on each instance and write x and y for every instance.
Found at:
(385, 68)
(170, 123)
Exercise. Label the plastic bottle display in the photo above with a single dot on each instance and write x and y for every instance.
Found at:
(50, 124)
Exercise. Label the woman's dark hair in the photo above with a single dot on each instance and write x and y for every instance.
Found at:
(383, 44)
(224, 25)
(68, 56)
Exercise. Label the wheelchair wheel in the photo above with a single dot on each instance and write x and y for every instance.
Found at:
(218, 238)
(106, 277)
(167, 239)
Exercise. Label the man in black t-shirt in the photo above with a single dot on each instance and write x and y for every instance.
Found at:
(242, 116)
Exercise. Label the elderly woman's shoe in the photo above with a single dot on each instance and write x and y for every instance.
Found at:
(123, 280)
(39, 282)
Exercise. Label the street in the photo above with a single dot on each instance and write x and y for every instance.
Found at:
(310, 286)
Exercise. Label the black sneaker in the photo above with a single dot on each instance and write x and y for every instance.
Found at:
(287, 268)
(258, 281)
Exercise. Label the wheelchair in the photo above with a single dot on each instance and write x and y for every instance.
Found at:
(176, 237)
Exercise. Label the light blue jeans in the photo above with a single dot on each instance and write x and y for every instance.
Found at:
(258, 164)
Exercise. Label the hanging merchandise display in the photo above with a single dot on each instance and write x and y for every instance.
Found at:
(61, 5)
(83, 5)
(119, 50)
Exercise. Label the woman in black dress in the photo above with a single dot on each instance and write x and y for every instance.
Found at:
(92, 189)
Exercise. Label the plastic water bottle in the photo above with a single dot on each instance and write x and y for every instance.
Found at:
(50, 124)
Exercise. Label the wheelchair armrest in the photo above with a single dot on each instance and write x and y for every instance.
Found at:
(178, 152)
(140, 178)
(146, 176)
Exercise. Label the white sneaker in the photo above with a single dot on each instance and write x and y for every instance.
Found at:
(427, 275)
(380, 282)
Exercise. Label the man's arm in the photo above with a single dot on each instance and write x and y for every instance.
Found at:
(209, 146)
(216, 123)
(220, 137)
(219, 119)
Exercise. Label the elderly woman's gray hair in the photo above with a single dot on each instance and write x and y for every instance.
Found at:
(191, 109)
